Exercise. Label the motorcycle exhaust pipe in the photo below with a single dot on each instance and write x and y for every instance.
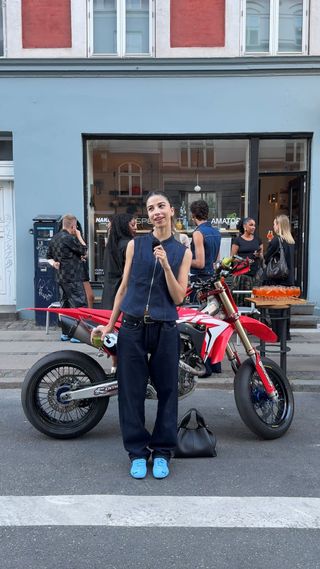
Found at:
(192, 370)
(76, 329)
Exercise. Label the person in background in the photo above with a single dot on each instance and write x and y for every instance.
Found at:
(205, 246)
(247, 245)
(123, 228)
(154, 281)
(281, 229)
(65, 252)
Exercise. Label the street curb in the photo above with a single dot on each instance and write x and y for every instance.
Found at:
(225, 383)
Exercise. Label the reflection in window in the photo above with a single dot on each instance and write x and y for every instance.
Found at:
(290, 25)
(130, 179)
(282, 155)
(120, 173)
(121, 27)
(274, 26)
(257, 25)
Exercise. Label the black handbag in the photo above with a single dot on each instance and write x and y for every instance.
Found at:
(194, 441)
(277, 267)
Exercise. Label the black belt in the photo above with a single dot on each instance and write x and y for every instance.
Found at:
(146, 319)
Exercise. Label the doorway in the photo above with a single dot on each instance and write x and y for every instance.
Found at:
(284, 194)
(7, 245)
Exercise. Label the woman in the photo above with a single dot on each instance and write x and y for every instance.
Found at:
(281, 229)
(154, 281)
(123, 228)
(247, 245)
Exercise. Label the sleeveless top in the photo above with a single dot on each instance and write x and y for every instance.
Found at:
(161, 305)
(211, 241)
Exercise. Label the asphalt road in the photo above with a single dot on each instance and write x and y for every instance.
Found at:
(246, 471)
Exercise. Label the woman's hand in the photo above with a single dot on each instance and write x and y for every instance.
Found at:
(101, 331)
(161, 255)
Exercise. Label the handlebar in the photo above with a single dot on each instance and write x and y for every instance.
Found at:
(227, 266)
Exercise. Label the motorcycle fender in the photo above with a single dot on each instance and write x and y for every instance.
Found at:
(258, 329)
(219, 348)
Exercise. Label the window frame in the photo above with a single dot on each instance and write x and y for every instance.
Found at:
(274, 31)
(3, 10)
(121, 32)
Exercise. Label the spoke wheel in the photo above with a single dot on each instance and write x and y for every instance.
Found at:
(42, 394)
(267, 417)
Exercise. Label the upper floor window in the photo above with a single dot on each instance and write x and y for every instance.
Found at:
(275, 26)
(121, 27)
(1, 30)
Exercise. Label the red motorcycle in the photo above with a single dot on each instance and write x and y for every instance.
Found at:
(66, 393)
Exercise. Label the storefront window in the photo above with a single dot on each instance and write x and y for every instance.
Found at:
(285, 155)
(120, 173)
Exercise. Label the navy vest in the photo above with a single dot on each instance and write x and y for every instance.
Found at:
(161, 305)
(211, 240)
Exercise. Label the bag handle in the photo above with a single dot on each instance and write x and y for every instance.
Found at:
(187, 418)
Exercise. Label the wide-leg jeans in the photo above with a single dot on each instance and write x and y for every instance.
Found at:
(148, 350)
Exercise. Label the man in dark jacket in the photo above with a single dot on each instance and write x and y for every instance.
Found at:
(66, 249)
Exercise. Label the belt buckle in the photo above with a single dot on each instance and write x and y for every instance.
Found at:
(147, 318)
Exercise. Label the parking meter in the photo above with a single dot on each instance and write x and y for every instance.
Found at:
(46, 288)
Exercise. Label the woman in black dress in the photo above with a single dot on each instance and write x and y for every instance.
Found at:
(122, 230)
(247, 245)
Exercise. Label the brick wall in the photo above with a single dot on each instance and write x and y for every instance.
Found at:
(197, 23)
(46, 23)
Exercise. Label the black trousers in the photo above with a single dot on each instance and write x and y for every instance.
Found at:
(148, 350)
(73, 295)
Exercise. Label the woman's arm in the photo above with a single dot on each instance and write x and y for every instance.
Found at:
(198, 262)
(234, 249)
(177, 287)
(273, 247)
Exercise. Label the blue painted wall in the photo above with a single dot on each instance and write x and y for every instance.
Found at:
(48, 115)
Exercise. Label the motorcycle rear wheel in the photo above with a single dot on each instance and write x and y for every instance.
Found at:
(266, 417)
(47, 379)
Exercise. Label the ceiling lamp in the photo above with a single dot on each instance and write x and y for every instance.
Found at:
(197, 188)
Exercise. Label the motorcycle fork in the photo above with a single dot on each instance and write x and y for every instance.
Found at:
(234, 317)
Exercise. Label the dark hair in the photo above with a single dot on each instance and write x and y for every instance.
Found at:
(200, 209)
(119, 229)
(242, 222)
(158, 193)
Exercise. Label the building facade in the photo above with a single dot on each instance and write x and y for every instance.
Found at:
(104, 100)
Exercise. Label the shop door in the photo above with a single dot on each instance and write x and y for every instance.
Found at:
(296, 194)
(7, 245)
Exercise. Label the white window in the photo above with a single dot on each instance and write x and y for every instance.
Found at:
(120, 27)
(1, 29)
(275, 26)
(195, 154)
(130, 179)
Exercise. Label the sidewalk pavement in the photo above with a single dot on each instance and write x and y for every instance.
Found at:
(22, 343)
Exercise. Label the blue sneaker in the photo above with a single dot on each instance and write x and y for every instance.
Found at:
(160, 468)
(75, 341)
(138, 468)
(64, 338)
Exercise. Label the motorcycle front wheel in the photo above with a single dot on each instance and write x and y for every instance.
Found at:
(47, 380)
(266, 417)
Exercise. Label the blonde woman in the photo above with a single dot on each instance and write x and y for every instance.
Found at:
(281, 229)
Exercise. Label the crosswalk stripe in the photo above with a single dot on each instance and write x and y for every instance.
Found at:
(161, 511)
